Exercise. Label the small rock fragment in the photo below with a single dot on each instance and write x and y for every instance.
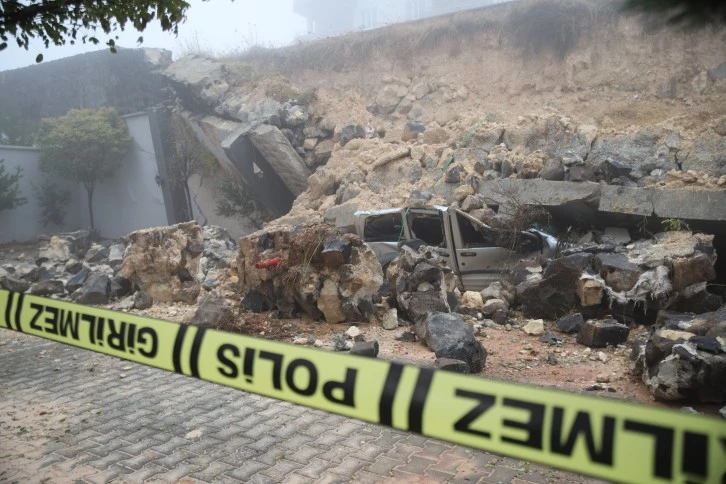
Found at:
(534, 327)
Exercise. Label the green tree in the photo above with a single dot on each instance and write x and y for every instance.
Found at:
(10, 188)
(59, 22)
(84, 146)
(186, 157)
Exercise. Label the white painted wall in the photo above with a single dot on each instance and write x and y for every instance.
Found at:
(131, 200)
(205, 192)
(23, 223)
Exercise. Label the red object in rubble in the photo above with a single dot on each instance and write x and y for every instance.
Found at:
(264, 264)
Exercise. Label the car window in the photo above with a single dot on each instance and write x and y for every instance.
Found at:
(474, 236)
(383, 228)
(429, 228)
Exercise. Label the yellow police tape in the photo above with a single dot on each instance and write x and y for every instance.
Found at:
(600, 437)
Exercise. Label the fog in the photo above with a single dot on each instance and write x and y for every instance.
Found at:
(216, 26)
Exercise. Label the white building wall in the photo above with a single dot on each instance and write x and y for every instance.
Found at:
(23, 223)
(131, 200)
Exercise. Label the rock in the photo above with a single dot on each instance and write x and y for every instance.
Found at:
(570, 323)
(77, 281)
(462, 192)
(423, 303)
(340, 343)
(406, 337)
(97, 254)
(554, 294)
(73, 266)
(492, 306)
(188, 293)
(553, 170)
(448, 336)
(366, 348)
(155, 258)
(425, 272)
(95, 290)
(353, 332)
(448, 364)
(388, 99)
(619, 273)
(472, 301)
(692, 270)
(120, 287)
(472, 203)
(551, 359)
(47, 288)
(56, 249)
(705, 343)
(323, 151)
(616, 236)
(390, 319)
(534, 327)
(213, 312)
(116, 255)
(599, 334)
(142, 300)
(550, 338)
(329, 302)
(255, 301)
(336, 252)
(590, 291)
(602, 378)
(602, 357)
(282, 157)
(453, 175)
(411, 130)
(13, 284)
(350, 132)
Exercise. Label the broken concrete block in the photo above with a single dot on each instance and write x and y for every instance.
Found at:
(570, 323)
(448, 336)
(448, 364)
(282, 157)
(365, 348)
(599, 334)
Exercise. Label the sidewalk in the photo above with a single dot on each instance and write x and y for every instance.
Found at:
(71, 415)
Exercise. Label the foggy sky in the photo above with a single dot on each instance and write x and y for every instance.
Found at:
(216, 25)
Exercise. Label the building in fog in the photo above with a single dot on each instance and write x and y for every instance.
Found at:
(333, 17)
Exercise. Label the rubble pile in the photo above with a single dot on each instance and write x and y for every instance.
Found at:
(421, 283)
(631, 282)
(312, 269)
(684, 357)
(157, 265)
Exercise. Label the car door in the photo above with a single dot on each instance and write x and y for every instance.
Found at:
(480, 261)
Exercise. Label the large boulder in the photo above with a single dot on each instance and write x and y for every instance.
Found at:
(555, 293)
(448, 336)
(158, 260)
(56, 249)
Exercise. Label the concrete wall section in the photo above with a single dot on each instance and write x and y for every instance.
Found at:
(23, 223)
(131, 200)
(205, 192)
